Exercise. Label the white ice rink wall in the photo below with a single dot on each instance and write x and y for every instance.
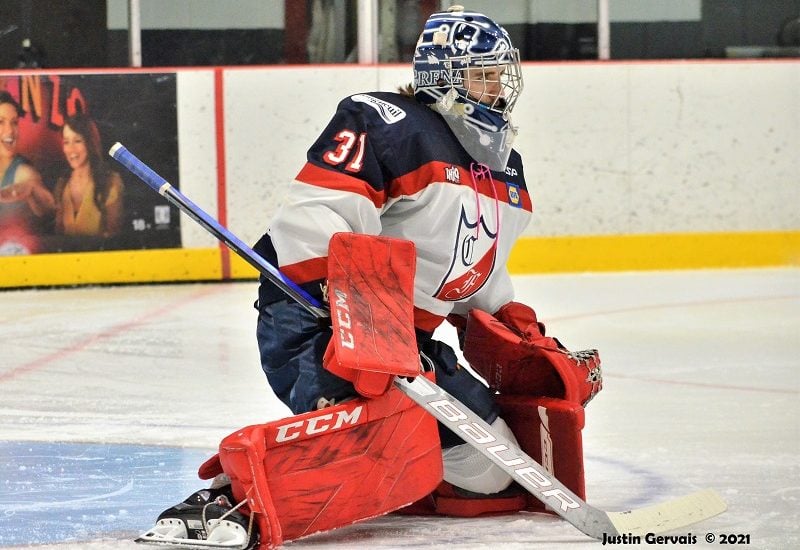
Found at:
(631, 165)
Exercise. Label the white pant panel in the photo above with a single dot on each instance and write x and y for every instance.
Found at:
(466, 467)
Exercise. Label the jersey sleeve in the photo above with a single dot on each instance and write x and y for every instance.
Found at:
(340, 188)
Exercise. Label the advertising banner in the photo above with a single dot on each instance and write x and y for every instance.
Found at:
(59, 189)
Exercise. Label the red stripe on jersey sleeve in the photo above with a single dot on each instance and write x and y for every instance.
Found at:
(419, 179)
(331, 179)
(307, 270)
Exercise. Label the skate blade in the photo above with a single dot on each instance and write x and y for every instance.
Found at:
(161, 540)
(222, 534)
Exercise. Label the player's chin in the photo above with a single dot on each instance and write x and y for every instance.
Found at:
(497, 103)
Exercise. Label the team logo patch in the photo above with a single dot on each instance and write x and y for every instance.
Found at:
(513, 195)
(389, 112)
(452, 175)
(474, 254)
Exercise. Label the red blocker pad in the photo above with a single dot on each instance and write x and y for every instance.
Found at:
(332, 467)
(371, 296)
(549, 430)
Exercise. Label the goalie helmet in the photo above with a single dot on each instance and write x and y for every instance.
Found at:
(467, 70)
(464, 60)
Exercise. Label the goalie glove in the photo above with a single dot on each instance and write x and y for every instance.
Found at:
(510, 350)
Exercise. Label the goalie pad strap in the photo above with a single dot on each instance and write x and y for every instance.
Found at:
(448, 500)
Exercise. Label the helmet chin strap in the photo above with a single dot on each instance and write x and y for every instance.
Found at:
(448, 103)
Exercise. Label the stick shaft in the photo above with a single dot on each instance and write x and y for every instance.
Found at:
(183, 203)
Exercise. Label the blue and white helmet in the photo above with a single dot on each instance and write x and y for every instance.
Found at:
(465, 59)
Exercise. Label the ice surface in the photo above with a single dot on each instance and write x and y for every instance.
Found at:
(110, 397)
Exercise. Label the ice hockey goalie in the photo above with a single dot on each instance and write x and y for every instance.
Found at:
(378, 452)
(403, 216)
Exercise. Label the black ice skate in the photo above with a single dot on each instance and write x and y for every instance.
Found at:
(206, 519)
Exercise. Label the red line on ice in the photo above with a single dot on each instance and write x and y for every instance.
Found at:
(103, 335)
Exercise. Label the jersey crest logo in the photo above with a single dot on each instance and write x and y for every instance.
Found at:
(389, 112)
(452, 175)
(473, 260)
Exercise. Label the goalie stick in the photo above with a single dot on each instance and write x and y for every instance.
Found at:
(592, 521)
(182, 202)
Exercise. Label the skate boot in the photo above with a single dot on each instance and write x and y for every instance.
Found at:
(206, 519)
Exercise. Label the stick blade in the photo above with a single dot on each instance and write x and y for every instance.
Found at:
(670, 515)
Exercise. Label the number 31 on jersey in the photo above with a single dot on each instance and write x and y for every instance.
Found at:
(348, 140)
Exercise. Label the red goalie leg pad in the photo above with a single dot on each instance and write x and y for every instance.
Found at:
(448, 500)
(371, 294)
(332, 467)
(549, 430)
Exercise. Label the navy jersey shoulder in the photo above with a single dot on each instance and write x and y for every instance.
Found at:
(390, 134)
(404, 133)
(417, 135)
(391, 112)
(515, 172)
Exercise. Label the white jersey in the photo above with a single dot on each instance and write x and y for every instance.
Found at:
(388, 165)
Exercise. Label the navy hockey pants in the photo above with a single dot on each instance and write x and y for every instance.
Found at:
(292, 343)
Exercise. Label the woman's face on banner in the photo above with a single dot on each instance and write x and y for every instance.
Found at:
(74, 148)
(9, 130)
